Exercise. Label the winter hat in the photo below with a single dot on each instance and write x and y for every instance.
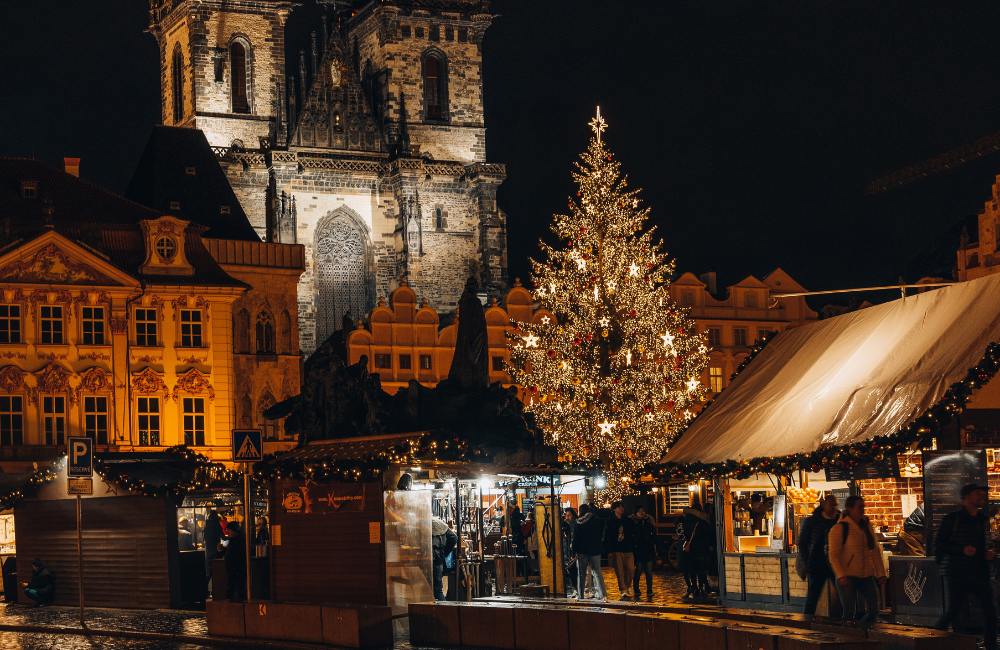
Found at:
(972, 487)
(37, 562)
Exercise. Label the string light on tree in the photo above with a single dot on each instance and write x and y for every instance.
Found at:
(611, 378)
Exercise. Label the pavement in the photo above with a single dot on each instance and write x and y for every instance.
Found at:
(24, 627)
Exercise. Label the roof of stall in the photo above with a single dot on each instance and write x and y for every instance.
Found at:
(848, 379)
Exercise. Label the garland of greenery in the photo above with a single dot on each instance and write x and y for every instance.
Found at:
(206, 475)
(919, 434)
(35, 481)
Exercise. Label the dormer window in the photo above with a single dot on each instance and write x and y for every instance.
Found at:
(175, 205)
(189, 171)
(224, 209)
(166, 248)
(29, 189)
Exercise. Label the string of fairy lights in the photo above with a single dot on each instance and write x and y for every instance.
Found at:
(917, 435)
(612, 375)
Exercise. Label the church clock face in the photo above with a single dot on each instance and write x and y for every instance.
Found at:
(335, 74)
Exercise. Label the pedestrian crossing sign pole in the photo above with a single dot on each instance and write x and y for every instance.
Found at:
(247, 448)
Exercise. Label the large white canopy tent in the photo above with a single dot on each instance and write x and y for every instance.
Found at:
(848, 379)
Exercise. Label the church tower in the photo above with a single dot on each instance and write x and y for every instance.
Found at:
(222, 68)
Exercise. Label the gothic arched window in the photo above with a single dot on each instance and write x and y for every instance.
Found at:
(269, 427)
(242, 331)
(285, 331)
(178, 83)
(435, 86)
(238, 77)
(341, 273)
(265, 333)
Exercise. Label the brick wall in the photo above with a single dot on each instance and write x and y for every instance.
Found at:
(882, 498)
(762, 574)
(734, 579)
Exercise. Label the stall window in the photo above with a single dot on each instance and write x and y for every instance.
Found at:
(145, 327)
(740, 337)
(194, 421)
(404, 362)
(715, 379)
(190, 328)
(51, 322)
(93, 325)
(425, 362)
(95, 419)
(54, 415)
(149, 421)
(11, 420)
(10, 323)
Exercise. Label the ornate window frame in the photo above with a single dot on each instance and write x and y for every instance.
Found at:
(444, 95)
(324, 224)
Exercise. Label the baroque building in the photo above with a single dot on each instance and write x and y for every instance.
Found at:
(369, 151)
(117, 322)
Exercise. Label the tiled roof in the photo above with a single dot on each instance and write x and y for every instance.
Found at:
(162, 178)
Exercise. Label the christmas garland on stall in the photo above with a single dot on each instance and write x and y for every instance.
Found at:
(206, 475)
(919, 434)
(35, 481)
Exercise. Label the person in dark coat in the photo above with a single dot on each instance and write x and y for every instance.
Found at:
(42, 586)
(619, 541)
(569, 560)
(963, 556)
(185, 541)
(812, 550)
(694, 549)
(213, 537)
(236, 564)
(644, 550)
(588, 543)
(443, 540)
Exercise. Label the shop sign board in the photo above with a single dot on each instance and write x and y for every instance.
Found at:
(247, 445)
(888, 467)
(323, 499)
(79, 485)
(945, 473)
(81, 457)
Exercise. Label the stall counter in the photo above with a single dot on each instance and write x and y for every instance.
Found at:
(765, 581)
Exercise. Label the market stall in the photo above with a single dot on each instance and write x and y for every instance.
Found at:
(841, 406)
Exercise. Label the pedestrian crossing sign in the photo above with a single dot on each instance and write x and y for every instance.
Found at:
(247, 445)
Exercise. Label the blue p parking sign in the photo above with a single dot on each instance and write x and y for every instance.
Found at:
(81, 457)
(247, 445)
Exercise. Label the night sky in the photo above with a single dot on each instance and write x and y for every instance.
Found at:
(752, 126)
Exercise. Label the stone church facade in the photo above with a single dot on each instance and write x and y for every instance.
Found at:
(369, 151)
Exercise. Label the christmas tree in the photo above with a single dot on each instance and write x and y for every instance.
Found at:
(611, 377)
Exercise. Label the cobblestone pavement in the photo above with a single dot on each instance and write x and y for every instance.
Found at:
(32, 641)
(668, 587)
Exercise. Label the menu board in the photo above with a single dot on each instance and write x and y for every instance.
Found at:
(945, 472)
(888, 467)
(778, 527)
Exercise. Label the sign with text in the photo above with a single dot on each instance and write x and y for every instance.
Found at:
(945, 473)
(888, 467)
(247, 445)
(324, 499)
(79, 485)
(80, 461)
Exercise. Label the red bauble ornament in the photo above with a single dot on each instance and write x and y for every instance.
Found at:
(632, 313)
(588, 337)
(576, 341)
(551, 353)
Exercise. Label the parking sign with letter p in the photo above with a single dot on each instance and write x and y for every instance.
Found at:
(81, 457)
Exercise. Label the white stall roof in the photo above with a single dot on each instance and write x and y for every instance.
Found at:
(847, 379)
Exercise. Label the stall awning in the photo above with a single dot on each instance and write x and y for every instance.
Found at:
(351, 448)
(847, 379)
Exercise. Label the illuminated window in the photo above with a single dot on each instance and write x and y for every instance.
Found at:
(435, 87)
(149, 421)
(383, 361)
(51, 324)
(10, 323)
(404, 362)
(238, 77)
(740, 337)
(54, 419)
(425, 362)
(190, 328)
(714, 337)
(93, 325)
(715, 379)
(498, 365)
(337, 126)
(178, 83)
(145, 327)
(11, 420)
(194, 421)
(95, 419)
(749, 299)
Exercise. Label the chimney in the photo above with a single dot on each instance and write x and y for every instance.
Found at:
(708, 277)
(72, 166)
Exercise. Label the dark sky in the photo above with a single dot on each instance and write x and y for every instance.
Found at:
(752, 126)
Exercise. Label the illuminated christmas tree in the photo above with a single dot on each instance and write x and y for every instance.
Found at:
(612, 376)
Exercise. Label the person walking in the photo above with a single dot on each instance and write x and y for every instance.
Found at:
(856, 560)
(962, 554)
(619, 541)
(213, 537)
(588, 545)
(444, 540)
(694, 547)
(236, 564)
(42, 586)
(812, 561)
(569, 561)
(644, 552)
(529, 530)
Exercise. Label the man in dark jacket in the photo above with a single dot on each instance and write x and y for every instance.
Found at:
(812, 549)
(236, 564)
(963, 557)
(42, 587)
(588, 545)
(443, 540)
(619, 541)
(644, 552)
